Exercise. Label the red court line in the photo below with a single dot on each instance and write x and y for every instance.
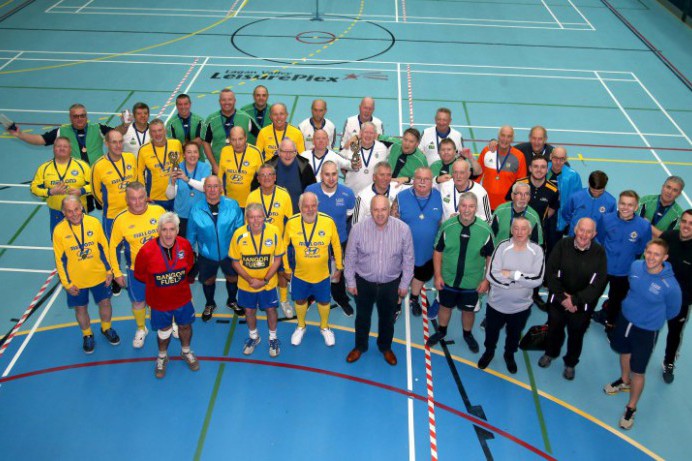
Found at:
(291, 366)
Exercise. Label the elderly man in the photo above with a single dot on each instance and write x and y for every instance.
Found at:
(462, 254)
(654, 296)
(238, 165)
(537, 145)
(544, 198)
(432, 137)
(258, 109)
(317, 122)
(256, 252)
(155, 164)
(516, 268)
(271, 136)
(185, 126)
(501, 169)
(211, 225)
(132, 229)
(321, 152)
(217, 133)
(163, 265)
(310, 239)
(381, 184)
(421, 208)
(592, 202)
(369, 153)
(461, 183)
(404, 155)
(662, 211)
(378, 269)
(355, 123)
(81, 258)
(576, 275)
(59, 177)
(136, 132)
(519, 206)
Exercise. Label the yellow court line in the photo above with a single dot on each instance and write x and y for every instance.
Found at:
(641, 162)
(6, 3)
(456, 358)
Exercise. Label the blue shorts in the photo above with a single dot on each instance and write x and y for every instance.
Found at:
(322, 291)
(55, 217)
(464, 300)
(261, 300)
(165, 204)
(183, 315)
(98, 292)
(630, 339)
(135, 288)
(208, 268)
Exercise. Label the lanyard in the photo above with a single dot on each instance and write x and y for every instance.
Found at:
(386, 193)
(81, 140)
(268, 209)
(362, 155)
(456, 207)
(80, 245)
(315, 127)
(165, 155)
(499, 168)
(61, 177)
(252, 238)
(121, 175)
(278, 143)
(308, 241)
(238, 165)
(317, 168)
(425, 205)
(174, 255)
(439, 137)
(144, 135)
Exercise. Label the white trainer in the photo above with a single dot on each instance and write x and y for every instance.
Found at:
(287, 308)
(328, 336)
(138, 341)
(297, 336)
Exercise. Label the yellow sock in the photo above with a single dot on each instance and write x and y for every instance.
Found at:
(140, 318)
(301, 313)
(324, 309)
(87, 332)
(105, 326)
(283, 294)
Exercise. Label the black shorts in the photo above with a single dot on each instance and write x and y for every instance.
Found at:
(208, 268)
(425, 272)
(464, 300)
(630, 339)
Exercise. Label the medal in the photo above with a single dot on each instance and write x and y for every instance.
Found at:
(421, 216)
(365, 171)
(497, 177)
(192, 194)
(83, 150)
(228, 141)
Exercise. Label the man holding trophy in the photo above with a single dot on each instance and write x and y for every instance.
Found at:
(155, 162)
(364, 151)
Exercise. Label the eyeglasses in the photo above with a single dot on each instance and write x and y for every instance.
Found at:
(79, 115)
(266, 175)
(558, 159)
(423, 179)
(287, 151)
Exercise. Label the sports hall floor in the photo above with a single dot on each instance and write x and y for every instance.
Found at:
(571, 65)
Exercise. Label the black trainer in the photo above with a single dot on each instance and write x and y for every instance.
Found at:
(435, 338)
(668, 375)
(348, 310)
(208, 312)
(416, 308)
(485, 360)
(472, 343)
(111, 336)
(511, 363)
(88, 344)
(239, 311)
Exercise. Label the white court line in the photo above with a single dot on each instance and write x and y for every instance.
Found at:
(22, 247)
(187, 89)
(582, 15)
(240, 8)
(552, 14)
(32, 331)
(53, 6)
(20, 202)
(87, 4)
(30, 271)
(641, 135)
(9, 61)
(491, 74)
(14, 185)
(409, 382)
(396, 11)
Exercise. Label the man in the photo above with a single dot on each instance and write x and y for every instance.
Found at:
(568, 183)
(81, 258)
(680, 258)
(154, 164)
(591, 202)
(654, 296)
(60, 177)
(163, 265)
(662, 211)
(186, 125)
(537, 145)
(501, 169)
(336, 201)
(86, 138)
(461, 258)
(317, 122)
(624, 236)
(257, 263)
(378, 269)
(576, 275)
(136, 133)
(278, 207)
(516, 268)
(310, 238)
(506, 213)
(211, 225)
(293, 173)
(321, 152)
(133, 228)
(421, 208)
(442, 168)
(355, 123)
(544, 198)
(431, 140)
(238, 165)
(404, 155)
(370, 153)
(381, 184)
(217, 133)
(460, 184)
(257, 109)
(271, 136)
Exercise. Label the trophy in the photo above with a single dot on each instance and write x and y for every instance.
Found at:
(126, 116)
(7, 123)
(174, 158)
(355, 149)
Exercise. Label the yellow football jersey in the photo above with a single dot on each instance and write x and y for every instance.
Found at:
(154, 167)
(237, 171)
(268, 140)
(76, 174)
(256, 254)
(278, 207)
(133, 231)
(310, 243)
(109, 180)
(81, 253)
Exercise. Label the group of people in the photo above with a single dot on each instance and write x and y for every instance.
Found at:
(246, 192)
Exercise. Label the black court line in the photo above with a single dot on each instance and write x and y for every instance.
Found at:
(15, 9)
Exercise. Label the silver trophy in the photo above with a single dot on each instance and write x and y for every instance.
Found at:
(174, 158)
(7, 123)
(355, 158)
(126, 116)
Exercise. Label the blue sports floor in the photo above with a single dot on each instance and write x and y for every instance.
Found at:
(570, 65)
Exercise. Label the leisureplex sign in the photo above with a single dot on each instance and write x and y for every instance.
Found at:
(288, 76)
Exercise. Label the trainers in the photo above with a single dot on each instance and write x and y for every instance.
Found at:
(627, 420)
(434, 339)
(568, 374)
(274, 349)
(511, 363)
(616, 386)
(160, 368)
(328, 336)
(239, 311)
(116, 289)
(287, 308)
(250, 344)
(416, 309)
(88, 344)
(191, 360)
(485, 360)
(483, 324)
(176, 334)
(472, 343)
(545, 361)
(138, 340)
(668, 376)
(111, 336)
(208, 312)
(297, 336)
(348, 310)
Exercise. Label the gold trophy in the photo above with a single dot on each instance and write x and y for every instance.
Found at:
(174, 158)
(355, 149)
